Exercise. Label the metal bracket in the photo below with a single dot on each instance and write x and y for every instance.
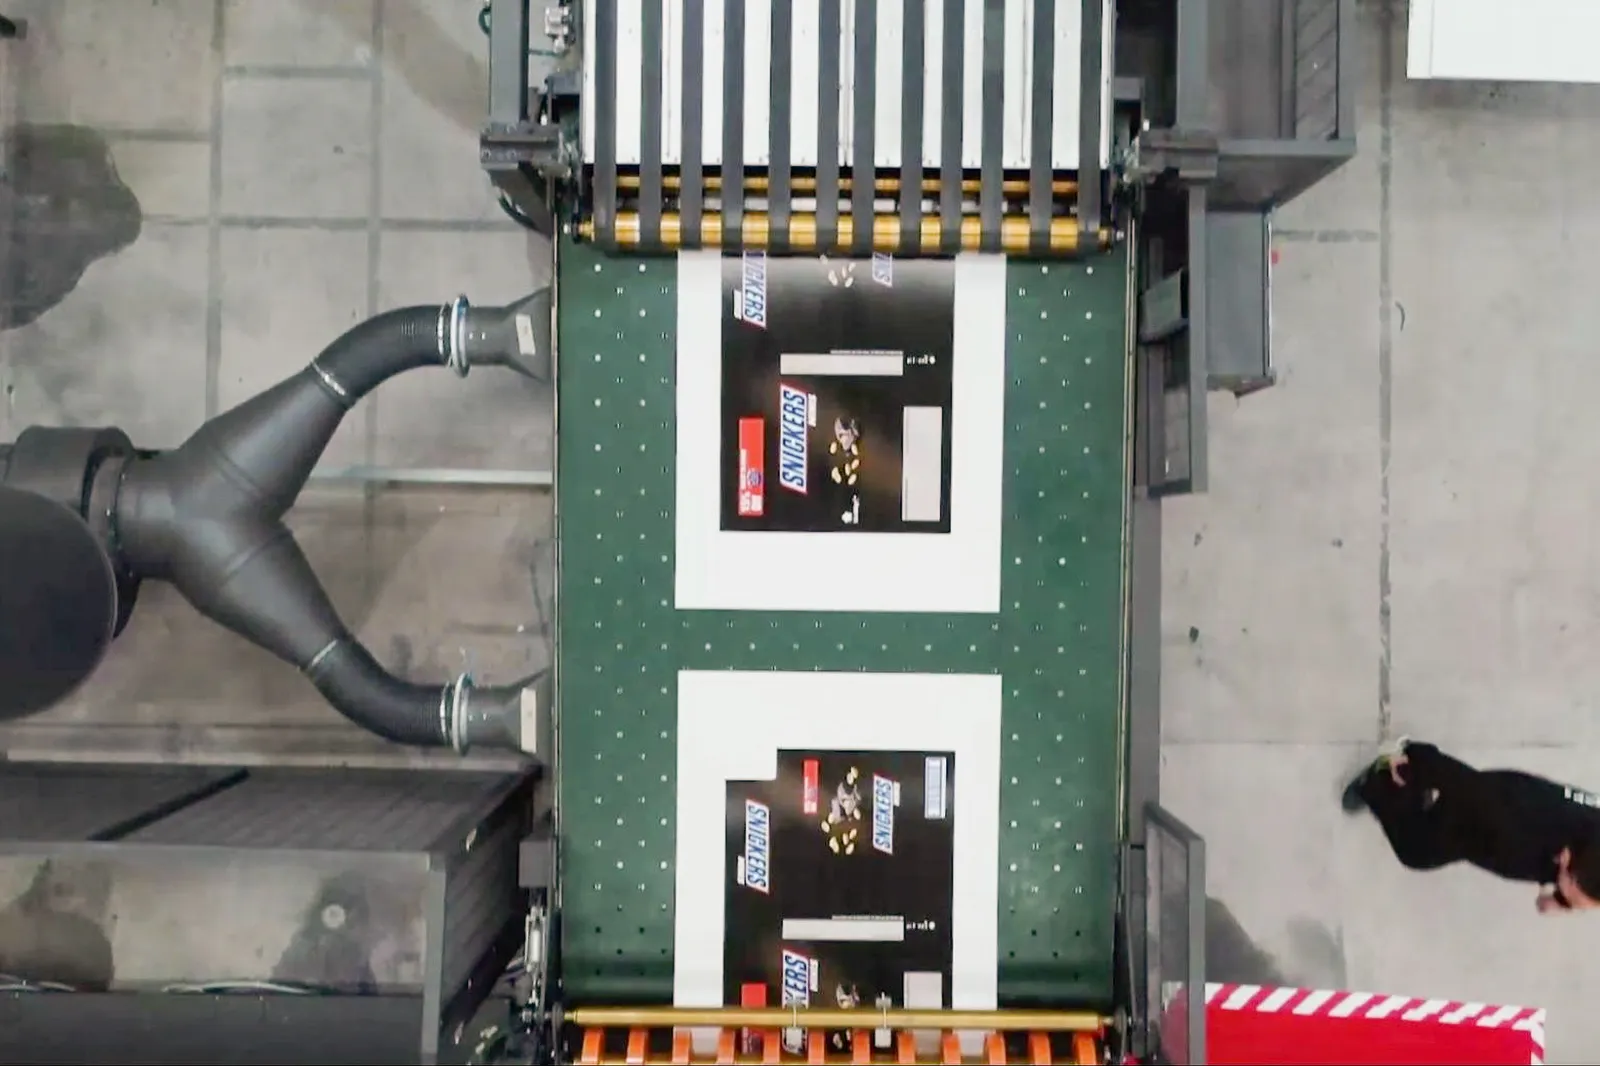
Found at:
(535, 146)
(536, 872)
(524, 162)
(1163, 308)
(524, 146)
(560, 25)
(532, 1008)
(536, 860)
(1189, 155)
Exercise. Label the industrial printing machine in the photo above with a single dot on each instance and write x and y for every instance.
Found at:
(1021, 240)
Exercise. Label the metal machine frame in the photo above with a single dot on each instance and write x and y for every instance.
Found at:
(1198, 162)
(1198, 166)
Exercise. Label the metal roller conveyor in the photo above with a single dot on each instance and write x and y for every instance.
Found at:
(1005, 1021)
(756, 232)
(945, 1046)
(761, 183)
(954, 127)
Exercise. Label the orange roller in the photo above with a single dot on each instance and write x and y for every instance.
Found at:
(909, 1035)
(805, 233)
(1000, 1021)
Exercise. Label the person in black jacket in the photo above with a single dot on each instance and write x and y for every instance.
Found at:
(1437, 810)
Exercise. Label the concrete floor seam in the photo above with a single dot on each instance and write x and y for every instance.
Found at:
(372, 576)
(291, 73)
(1326, 236)
(213, 366)
(335, 225)
(1385, 367)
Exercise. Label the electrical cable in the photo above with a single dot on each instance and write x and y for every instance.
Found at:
(13, 983)
(212, 988)
(515, 1041)
(517, 214)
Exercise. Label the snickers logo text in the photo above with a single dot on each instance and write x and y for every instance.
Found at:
(757, 840)
(750, 303)
(794, 425)
(883, 797)
(796, 979)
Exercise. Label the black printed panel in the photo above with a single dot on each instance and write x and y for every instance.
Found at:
(836, 394)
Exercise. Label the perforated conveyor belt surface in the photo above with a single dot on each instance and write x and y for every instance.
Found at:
(1056, 641)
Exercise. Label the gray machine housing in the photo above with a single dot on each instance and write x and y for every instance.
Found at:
(1245, 104)
(381, 895)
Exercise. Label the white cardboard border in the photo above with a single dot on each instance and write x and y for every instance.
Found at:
(731, 725)
(738, 570)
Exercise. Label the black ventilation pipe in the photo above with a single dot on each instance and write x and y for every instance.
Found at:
(207, 517)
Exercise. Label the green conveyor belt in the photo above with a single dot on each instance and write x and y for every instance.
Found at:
(1057, 641)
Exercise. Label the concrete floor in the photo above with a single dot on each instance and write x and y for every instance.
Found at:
(1399, 537)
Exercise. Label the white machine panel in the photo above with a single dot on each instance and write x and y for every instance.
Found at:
(1501, 40)
(804, 43)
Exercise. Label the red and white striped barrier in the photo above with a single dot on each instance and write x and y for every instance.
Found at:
(1248, 1025)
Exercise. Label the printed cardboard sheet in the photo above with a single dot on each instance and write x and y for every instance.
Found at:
(854, 859)
(840, 429)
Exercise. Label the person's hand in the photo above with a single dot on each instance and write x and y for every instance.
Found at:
(1395, 763)
(1548, 903)
(1567, 888)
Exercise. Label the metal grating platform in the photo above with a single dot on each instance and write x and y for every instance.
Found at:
(43, 802)
(1057, 642)
(376, 810)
